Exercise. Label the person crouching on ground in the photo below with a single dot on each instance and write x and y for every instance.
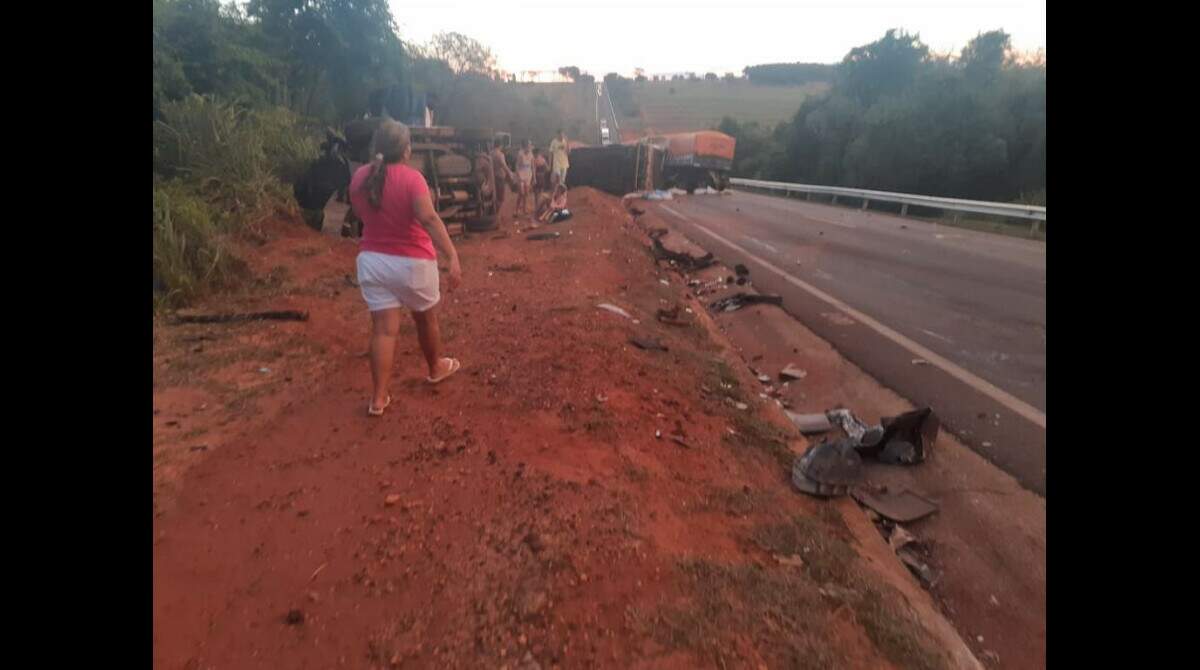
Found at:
(397, 264)
(557, 210)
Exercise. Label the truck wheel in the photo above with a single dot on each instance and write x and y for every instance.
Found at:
(481, 224)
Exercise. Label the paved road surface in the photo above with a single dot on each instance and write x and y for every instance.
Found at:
(887, 290)
(605, 111)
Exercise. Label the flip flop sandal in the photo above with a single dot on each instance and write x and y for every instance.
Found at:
(372, 411)
(454, 366)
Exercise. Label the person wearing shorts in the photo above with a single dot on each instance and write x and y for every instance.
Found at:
(397, 263)
(541, 173)
(524, 178)
(560, 153)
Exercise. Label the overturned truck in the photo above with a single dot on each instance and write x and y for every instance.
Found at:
(618, 168)
(456, 165)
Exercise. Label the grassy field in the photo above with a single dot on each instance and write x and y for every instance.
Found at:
(681, 105)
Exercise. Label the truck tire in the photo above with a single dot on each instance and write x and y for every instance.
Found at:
(481, 224)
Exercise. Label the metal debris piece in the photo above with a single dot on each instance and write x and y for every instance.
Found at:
(810, 424)
(845, 419)
(900, 538)
(542, 236)
(827, 469)
(920, 568)
(739, 300)
(906, 439)
(792, 372)
(902, 507)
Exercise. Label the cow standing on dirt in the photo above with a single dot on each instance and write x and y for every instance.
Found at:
(329, 175)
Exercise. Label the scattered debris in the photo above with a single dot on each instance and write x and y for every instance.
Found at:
(845, 419)
(648, 344)
(902, 507)
(809, 424)
(391, 499)
(514, 267)
(280, 315)
(741, 270)
(920, 361)
(827, 469)
(671, 317)
(920, 568)
(542, 236)
(906, 438)
(199, 447)
(664, 282)
(678, 439)
(900, 538)
(679, 250)
(317, 571)
(739, 300)
(792, 372)
(614, 309)
(794, 561)
(766, 379)
(294, 617)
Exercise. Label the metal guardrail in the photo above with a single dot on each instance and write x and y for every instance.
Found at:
(1029, 212)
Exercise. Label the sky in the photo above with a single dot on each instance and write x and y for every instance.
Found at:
(667, 36)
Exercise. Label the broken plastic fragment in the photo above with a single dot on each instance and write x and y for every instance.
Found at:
(614, 309)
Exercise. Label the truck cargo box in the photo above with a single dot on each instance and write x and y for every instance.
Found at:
(618, 168)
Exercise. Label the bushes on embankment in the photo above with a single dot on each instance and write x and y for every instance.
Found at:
(219, 168)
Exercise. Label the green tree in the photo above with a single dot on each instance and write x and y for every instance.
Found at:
(883, 67)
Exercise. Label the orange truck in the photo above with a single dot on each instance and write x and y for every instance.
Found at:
(696, 159)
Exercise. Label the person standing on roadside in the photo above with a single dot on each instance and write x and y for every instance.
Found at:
(560, 153)
(503, 176)
(541, 173)
(524, 178)
(397, 263)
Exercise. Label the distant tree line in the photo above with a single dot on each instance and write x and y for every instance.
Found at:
(790, 74)
(899, 118)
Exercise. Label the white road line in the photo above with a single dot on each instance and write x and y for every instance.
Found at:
(762, 244)
(982, 385)
(940, 337)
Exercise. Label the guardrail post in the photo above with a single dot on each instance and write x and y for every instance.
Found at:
(904, 209)
(865, 203)
(834, 201)
(957, 218)
(1033, 230)
(808, 195)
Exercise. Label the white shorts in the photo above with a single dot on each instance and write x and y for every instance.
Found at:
(562, 174)
(389, 282)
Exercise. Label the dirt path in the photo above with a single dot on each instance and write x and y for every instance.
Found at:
(532, 512)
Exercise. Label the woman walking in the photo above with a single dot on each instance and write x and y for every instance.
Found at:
(397, 264)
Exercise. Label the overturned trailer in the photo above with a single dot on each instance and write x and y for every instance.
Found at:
(618, 169)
